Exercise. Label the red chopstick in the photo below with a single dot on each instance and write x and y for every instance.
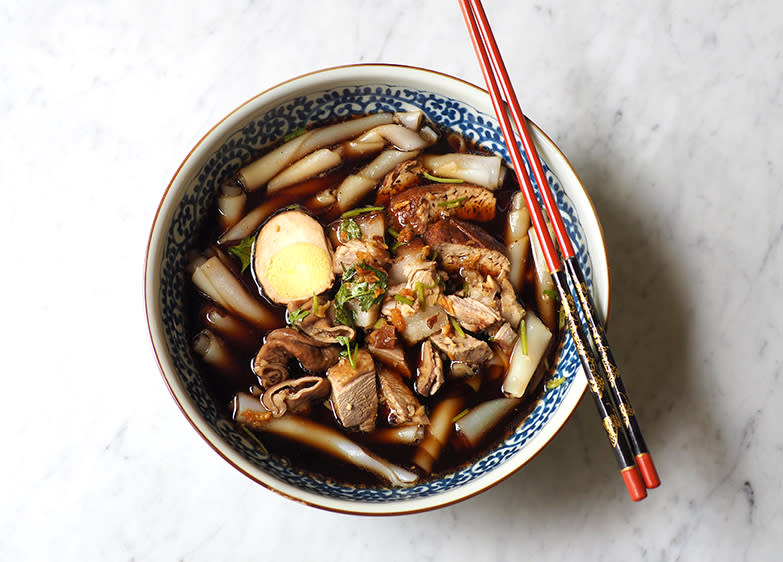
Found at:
(492, 63)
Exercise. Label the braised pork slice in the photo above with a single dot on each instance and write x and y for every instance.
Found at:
(282, 345)
(510, 308)
(430, 374)
(372, 252)
(460, 232)
(295, 395)
(371, 226)
(503, 336)
(411, 305)
(355, 391)
(384, 347)
(402, 405)
(463, 349)
(409, 258)
(482, 288)
(417, 207)
(406, 175)
(454, 257)
(472, 314)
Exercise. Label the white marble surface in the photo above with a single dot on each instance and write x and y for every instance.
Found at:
(671, 113)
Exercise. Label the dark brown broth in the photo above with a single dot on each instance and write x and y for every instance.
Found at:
(454, 456)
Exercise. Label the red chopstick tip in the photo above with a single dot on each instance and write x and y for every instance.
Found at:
(633, 481)
(647, 468)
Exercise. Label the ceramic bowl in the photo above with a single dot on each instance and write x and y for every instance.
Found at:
(323, 96)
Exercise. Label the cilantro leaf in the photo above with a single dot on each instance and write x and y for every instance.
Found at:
(350, 229)
(243, 251)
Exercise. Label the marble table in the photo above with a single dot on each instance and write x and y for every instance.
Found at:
(670, 112)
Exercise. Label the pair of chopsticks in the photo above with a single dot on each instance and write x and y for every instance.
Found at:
(607, 388)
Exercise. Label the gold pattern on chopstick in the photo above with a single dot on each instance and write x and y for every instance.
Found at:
(625, 410)
(610, 424)
(596, 383)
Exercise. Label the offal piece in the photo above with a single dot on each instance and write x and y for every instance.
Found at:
(294, 395)
(318, 321)
(284, 344)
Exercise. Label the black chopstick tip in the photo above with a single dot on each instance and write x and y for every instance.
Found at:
(634, 483)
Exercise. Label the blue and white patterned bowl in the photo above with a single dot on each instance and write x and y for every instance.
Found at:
(322, 96)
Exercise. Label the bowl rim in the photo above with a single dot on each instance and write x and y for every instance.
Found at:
(156, 339)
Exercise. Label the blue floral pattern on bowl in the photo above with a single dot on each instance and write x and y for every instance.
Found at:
(246, 143)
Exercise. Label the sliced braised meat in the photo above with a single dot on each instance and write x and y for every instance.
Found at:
(430, 373)
(510, 308)
(419, 206)
(402, 405)
(482, 288)
(411, 322)
(412, 308)
(372, 252)
(282, 345)
(454, 257)
(473, 315)
(319, 323)
(404, 176)
(461, 232)
(295, 395)
(504, 336)
(371, 226)
(409, 258)
(355, 391)
(463, 349)
(384, 348)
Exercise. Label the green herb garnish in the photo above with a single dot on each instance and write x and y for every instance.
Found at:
(394, 234)
(457, 327)
(442, 180)
(350, 229)
(295, 133)
(343, 316)
(554, 383)
(362, 284)
(452, 203)
(256, 439)
(523, 336)
(297, 316)
(344, 340)
(459, 416)
(402, 299)
(466, 289)
(359, 211)
(419, 288)
(243, 251)
(315, 304)
(551, 293)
